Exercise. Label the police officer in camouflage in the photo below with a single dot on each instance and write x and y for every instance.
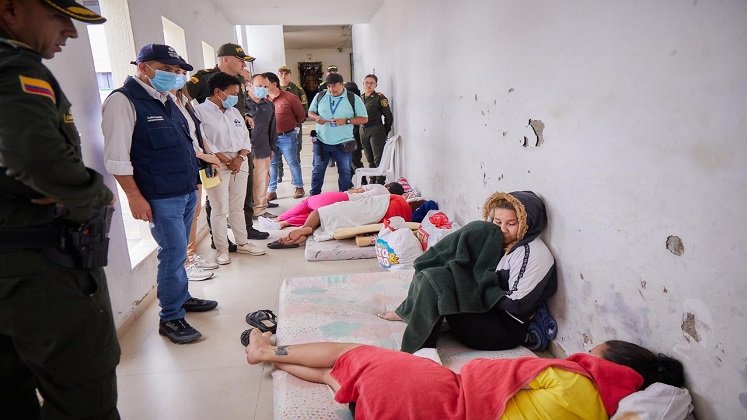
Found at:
(57, 333)
(374, 132)
(284, 74)
(232, 60)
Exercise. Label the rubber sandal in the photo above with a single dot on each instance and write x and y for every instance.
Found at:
(263, 320)
(245, 337)
(279, 245)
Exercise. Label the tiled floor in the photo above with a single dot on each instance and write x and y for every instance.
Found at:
(210, 379)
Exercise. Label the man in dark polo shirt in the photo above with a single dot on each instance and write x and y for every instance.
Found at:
(289, 114)
(231, 59)
(264, 141)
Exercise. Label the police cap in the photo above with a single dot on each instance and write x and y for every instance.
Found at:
(75, 11)
(284, 69)
(233, 50)
(332, 68)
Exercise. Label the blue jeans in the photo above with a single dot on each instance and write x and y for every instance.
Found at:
(322, 155)
(172, 220)
(288, 146)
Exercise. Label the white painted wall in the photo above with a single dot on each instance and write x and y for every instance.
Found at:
(266, 44)
(327, 56)
(644, 104)
(201, 21)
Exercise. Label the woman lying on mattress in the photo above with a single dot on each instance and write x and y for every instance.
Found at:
(486, 279)
(335, 210)
(387, 384)
(297, 215)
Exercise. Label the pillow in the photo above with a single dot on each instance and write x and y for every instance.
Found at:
(657, 402)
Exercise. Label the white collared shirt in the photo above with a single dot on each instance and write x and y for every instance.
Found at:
(118, 124)
(222, 131)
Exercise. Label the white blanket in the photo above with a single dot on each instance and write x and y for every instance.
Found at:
(349, 214)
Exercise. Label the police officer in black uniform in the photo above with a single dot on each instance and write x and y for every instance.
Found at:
(57, 333)
(232, 60)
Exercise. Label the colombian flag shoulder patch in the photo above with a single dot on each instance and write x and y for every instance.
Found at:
(37, 87)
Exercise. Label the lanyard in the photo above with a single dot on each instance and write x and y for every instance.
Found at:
(333, 106)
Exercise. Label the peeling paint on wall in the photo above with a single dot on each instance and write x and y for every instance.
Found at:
(643, 284)
(538, 126)
(587, 339)
(675, 245)
(688, 326)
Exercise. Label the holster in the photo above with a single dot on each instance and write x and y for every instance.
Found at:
(81, 246)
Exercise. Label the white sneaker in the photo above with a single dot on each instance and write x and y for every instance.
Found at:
(222, 258)
(250, 249)
(429, 353)
(195, 273)
(268, 224)
(202, 263)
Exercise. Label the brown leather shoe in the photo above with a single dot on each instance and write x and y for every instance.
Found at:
(299, 192)
(272, 196)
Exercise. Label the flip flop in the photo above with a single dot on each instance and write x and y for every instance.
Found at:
(263, 320)
(245, 337)
(279, 245)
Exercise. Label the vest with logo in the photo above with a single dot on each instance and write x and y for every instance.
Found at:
(163, 159)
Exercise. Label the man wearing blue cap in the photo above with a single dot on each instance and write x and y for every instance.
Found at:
(149, 151)
(57, 332)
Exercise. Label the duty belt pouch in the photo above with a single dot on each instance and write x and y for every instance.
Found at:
(348, 146)
(84, 246)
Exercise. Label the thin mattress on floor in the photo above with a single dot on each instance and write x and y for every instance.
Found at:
(343, 308)
(337, 250)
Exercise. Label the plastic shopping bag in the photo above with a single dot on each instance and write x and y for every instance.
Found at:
(434, 227)
(396, 245)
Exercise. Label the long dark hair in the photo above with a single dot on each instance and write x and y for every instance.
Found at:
(653, 367)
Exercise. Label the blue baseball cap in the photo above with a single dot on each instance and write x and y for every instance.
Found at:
(163, 54)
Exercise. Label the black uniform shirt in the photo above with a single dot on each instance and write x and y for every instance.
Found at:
(40, 152)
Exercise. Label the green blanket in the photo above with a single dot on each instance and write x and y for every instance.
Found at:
(457, 275)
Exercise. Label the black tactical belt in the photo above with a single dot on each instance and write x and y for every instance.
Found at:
(372, 124)
(38, 237)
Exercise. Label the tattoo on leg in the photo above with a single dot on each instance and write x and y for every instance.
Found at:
(281, 351)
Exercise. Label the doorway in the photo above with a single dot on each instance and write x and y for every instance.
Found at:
(311, 77)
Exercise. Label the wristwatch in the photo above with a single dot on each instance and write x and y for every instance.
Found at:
(348, 121)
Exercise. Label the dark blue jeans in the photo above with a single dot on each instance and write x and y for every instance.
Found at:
(172, 220)
(322, 155)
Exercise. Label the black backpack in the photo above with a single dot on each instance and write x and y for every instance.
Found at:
(351, 99)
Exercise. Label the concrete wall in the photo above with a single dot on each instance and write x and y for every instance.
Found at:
(74, 69)
(644, 114)
(327, 56)
(266, 44)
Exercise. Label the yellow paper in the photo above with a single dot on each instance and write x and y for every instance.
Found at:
(209, 182)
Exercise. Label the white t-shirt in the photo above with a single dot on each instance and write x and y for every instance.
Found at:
(223, 131)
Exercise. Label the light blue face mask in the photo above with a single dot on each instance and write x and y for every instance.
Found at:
(230, 100)
(163, 81)
(181, 80)
(260, 92)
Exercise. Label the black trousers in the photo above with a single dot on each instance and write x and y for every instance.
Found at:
(57, 335)
(492, 330)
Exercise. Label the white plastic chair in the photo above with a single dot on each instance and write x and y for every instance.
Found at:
(386, 166)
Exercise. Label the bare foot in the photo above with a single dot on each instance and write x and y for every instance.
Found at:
(257, 343)
(389, 316)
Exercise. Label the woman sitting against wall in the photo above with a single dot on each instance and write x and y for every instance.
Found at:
(487, 279)
(387, 384)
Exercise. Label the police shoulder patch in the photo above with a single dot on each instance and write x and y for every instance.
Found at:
(385, 102)
(194, 79)
(34, 86)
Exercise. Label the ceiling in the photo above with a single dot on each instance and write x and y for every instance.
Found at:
(312, 37)
(298, 12)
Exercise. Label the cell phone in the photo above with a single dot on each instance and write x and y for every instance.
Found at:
(209, 171)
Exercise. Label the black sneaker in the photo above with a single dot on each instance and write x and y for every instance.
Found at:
(272, 205)
(178, 331)
(231, 246)
(257, 234)
(199, 305)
